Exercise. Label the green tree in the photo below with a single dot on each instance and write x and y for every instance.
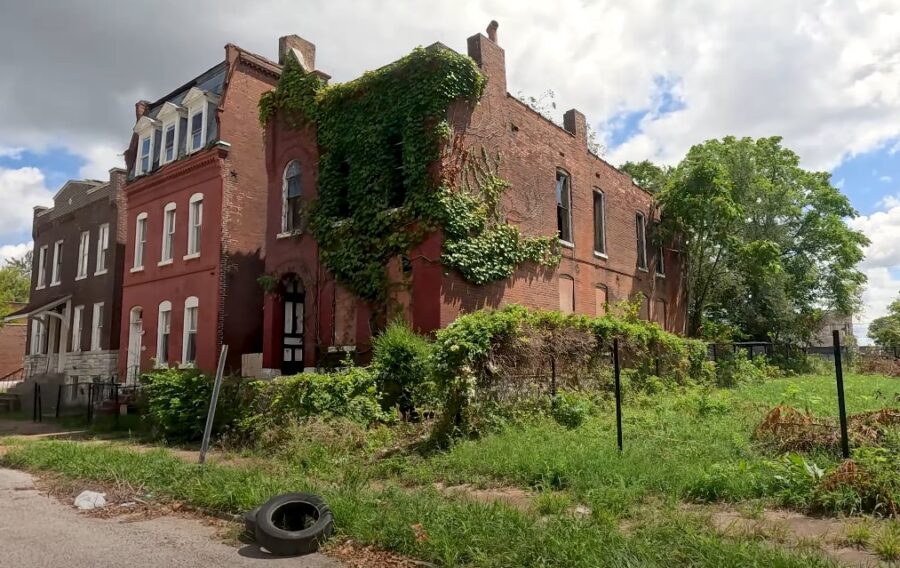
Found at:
(885, 331)
(766, 241)
(647, 174)
(15, 282)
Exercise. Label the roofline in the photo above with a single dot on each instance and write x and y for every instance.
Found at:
(187, 85)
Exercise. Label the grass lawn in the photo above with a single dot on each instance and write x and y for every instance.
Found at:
(679, 446)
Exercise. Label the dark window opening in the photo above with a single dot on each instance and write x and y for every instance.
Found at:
(599, 223)
(641, 230)
(563, 206)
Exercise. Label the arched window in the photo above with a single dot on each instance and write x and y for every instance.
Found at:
(563, 206)
(189, 346)
(290, 198)
(163, 330)
(168, 236)
(195, 224)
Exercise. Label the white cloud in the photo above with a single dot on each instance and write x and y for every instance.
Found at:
(11, 152)
(882, 256)
(100, 158)
(824, 75)
(14, 251)
(885, 179)
(21, 189)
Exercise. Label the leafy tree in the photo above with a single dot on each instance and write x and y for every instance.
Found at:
(15, 282)
(766, 242)
(647, 174)
(885, 331)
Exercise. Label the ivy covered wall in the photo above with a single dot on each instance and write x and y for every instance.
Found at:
(381, 187)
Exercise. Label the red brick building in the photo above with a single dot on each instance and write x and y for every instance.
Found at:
(195, 224)
(558, 186)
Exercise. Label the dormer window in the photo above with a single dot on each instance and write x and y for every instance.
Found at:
(170, 115)
(197, 103)
(168, 143)
(146, 147)
(147, 140)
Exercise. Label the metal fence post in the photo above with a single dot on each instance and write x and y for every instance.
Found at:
(116, 396)
(842, 409)
(214, 399)
(40, 404)
(617, 371)
(90, 406)
(59, 392)
(553, 377)
(34, 403)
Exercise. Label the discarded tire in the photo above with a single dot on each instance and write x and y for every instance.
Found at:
(250, 521)
(293, 524)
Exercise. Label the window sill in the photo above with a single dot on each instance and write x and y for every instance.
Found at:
(39, 287)
(136, 269)
(658, 275)
(289, 234)
(642, 269)
(82, 277)
(100, 272)
(567, 244)
(189, 365)
(164, 262)
(602, 255)
(191, 256)
(52, 284)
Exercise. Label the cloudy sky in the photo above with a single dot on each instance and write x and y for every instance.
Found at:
(652, 77)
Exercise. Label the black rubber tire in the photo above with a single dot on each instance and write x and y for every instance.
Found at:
(250, 522)
(283, 542)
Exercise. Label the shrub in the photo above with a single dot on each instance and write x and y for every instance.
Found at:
(570, 410)
(492, 358)
(402, 367)
(178, 402)
(349, 393)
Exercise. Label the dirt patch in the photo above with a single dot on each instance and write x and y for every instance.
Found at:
(37, 429)
(786, 429)
(356, 555)
(787, 528)
(512, 496)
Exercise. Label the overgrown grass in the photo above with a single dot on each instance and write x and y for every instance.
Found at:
(686, 444)
(419, 522)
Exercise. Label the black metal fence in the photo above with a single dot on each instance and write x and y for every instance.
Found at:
(88, 399)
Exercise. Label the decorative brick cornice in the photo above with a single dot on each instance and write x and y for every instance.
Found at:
(178, 168)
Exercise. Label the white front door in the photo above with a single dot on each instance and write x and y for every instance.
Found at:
(136, 332)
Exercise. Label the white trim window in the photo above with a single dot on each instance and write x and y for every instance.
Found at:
(640, 225)
(77, 328)
(38, 336)
(102, 248)
(163, 331)
(170, 116)
(197, 103)
(140, 240)
(189, 344)
(96, 326)
(42, 268)
(291, 191)
(56, 275)
(168, 236)
(195, 225)
(84, 247)
(146, 131)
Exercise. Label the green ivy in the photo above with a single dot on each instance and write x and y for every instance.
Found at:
(379, 192)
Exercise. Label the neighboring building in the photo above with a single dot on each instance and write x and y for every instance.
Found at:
(76, 284)
(13, 337)
(824, 337)
(195, 224)
(557, 187)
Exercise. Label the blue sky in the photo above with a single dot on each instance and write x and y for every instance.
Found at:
(652, 76)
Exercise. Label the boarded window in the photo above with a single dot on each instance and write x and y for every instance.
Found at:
(601, 297)
(644, 312)
(344, 316)
(566, 294)
(659, 315)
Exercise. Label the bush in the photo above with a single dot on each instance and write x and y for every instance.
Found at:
(570, 410)
(348, 393)
(491, 358)
(402, 367)
(178, 402)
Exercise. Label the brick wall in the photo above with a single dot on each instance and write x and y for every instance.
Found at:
(12, 347)
(533, 149)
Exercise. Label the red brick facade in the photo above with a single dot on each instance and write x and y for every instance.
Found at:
(229, 174)
(533, 150)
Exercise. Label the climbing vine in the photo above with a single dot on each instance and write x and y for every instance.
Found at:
(380, 190)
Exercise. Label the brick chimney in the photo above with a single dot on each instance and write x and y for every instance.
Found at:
(140, 108)
(574, 122)
(490, 58)
(303, 50)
